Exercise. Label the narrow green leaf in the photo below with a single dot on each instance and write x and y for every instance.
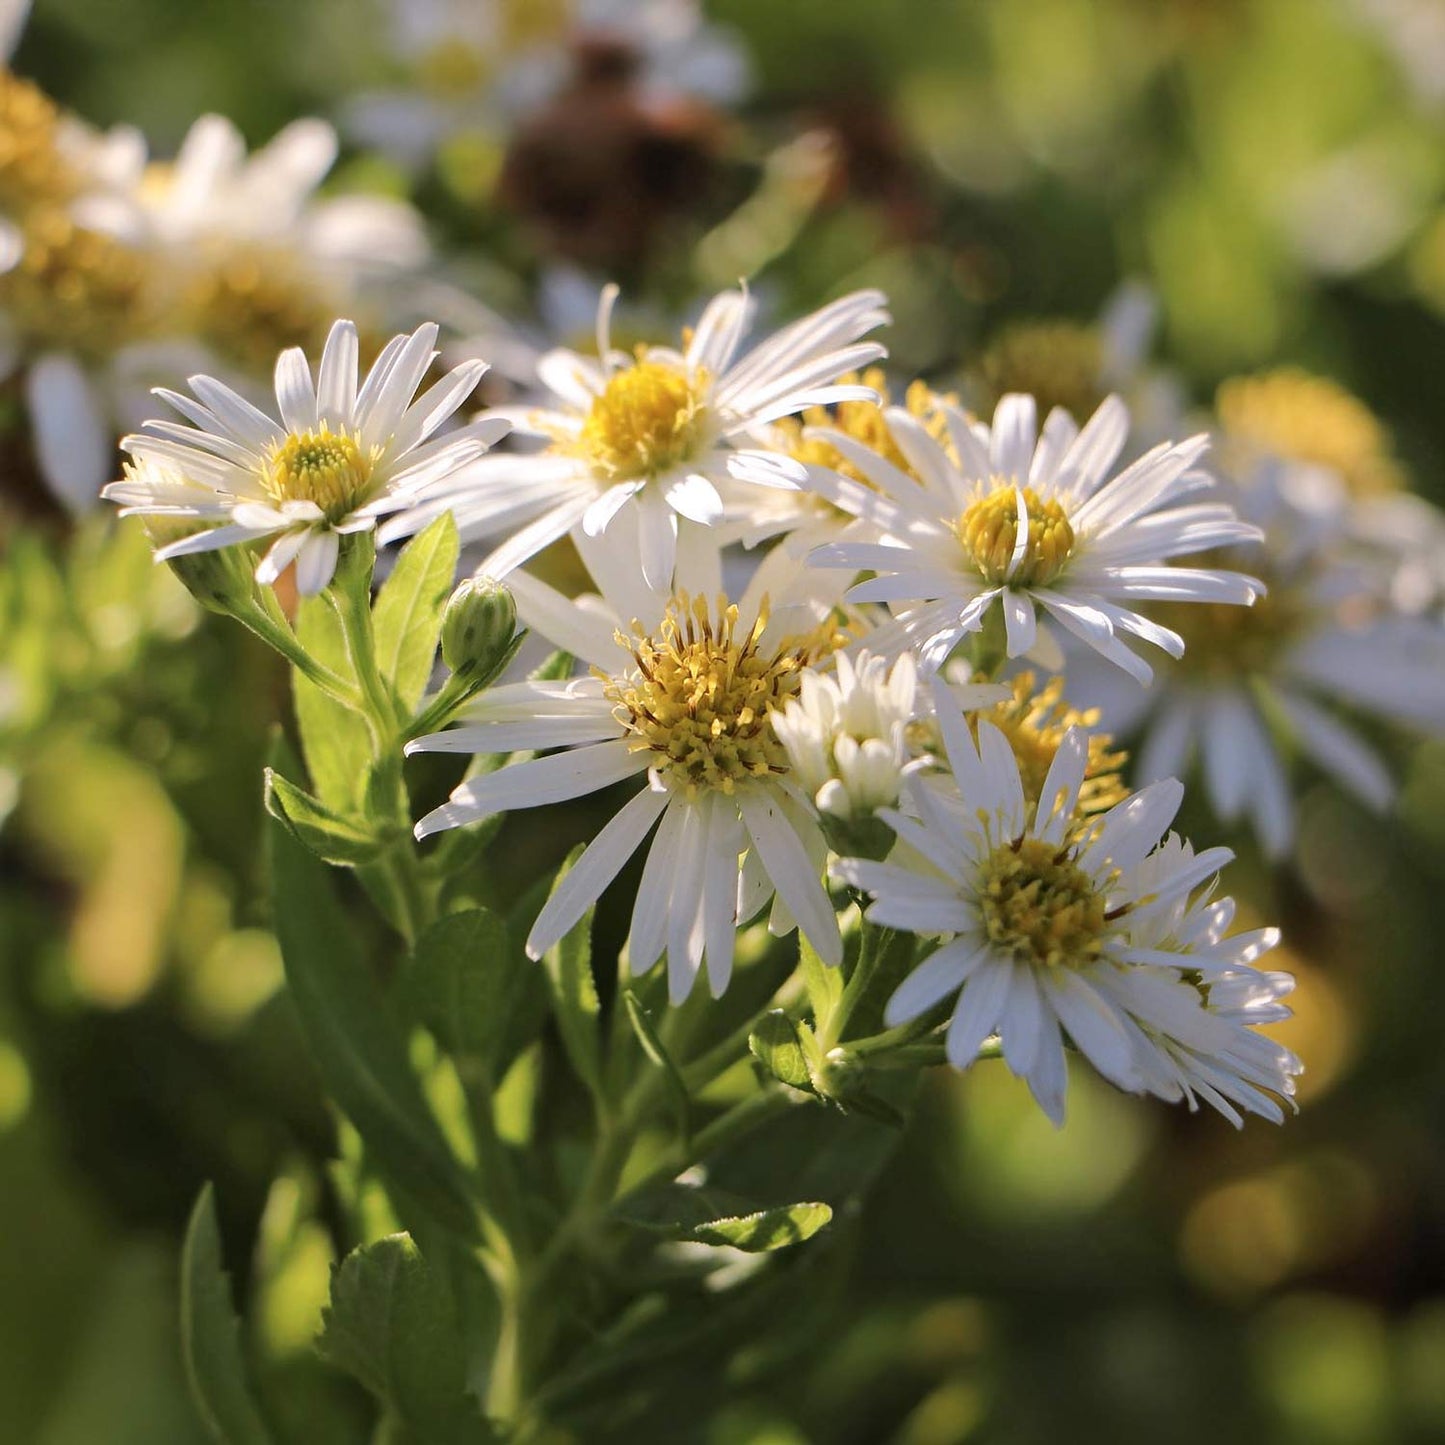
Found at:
(776, 1045)
(328, 835)
(574, 992)
(392, 1324)
(408, 610)
(652, 1046)
(885, 958)
(716, 1216)
(211, 1335)
(334, 738)
(356, 1040)
(767, 1228)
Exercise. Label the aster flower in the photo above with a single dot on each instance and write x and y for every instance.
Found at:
(654, 435)
(340, 456)
(254, 260)
(1325, 640)
(1004, 516)
(682, 693)
(847, 740)
(1054, 930)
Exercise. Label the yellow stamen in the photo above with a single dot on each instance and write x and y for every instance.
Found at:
(1038, 904)
(1058, 363)
(1310, 419)
(701, 695)
(989, 532)
(32, 170)
(75, 289)
(649, 418)
(329, 468)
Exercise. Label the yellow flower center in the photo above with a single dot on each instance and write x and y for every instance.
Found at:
(32, 170)
(650, 418)
(250, 305)
(1310, 419)
(1034, 720)
(1223, 641)
(75, 289)
(702, 694)
(1039, 905)
(329, 468)
(451, 69)
(1058, 363)
(989, 531)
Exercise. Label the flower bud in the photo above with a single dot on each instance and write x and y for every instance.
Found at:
(222, 580)
(478, 627)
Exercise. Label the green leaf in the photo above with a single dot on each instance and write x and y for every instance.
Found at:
(408, 610)
(652, 1046)
(328, 835)
(767, 1228)
(357, 1042)
(824, 984)
(392, 1324)
(211, 1335)
(776, 1045)
(574, 992)
(885, 958)
(334, 738)
(462, 986)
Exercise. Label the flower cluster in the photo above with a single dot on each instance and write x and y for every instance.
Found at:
(770, 709)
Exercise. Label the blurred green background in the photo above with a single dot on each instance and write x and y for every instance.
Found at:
(1275, 169)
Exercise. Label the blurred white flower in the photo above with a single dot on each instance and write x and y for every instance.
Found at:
(1055, 930)
(1002, 515)
(682, 691)
(1324, 638)
(480, 65)
(341, 456)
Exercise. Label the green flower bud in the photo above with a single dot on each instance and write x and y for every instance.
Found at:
(478, 627)
(222, 580)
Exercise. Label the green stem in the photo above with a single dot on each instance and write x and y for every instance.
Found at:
(990, 645)
(270, 625)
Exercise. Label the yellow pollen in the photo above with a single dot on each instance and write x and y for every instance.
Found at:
(1311, 419)
(252, 304)
(329, 468)
(1058, 363)
(1034, 720)
(75, 289)
(1039, 905)
(649, 418)
(1222, 640)
(32, 169)
(989, 532)
(701, 695)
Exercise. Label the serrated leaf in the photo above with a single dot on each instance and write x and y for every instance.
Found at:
(334, 739)
(355, 1038)
(776, 1045)
(655, 1050)
(765, 1229)
(407, 614)
(392, 1325)
(574, 991)
(462, 986)
(327, 834)
(211, 1336)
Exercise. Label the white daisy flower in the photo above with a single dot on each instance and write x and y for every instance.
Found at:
(1054, 929)
(1324, 639)
(1005, 516)
(655, 434)
(846, 737)
(340, 456)
(682, 693)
